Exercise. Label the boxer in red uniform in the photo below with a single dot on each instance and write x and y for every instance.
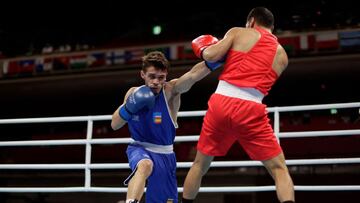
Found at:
(254, 61)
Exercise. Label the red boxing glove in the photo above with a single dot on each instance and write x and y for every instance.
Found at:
(202, 42)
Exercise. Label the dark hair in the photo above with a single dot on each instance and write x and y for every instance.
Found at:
(156, 59)
(262, 17)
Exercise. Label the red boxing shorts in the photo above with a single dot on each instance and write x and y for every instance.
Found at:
(230, 119)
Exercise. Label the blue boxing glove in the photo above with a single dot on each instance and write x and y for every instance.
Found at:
(141, 98)
(215, 65)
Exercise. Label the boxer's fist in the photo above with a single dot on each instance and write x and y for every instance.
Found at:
(141, 98)
(202, 42)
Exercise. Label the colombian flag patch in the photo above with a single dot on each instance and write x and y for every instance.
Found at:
(157, 117)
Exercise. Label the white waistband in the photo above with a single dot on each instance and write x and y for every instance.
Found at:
(246, 93)
(162, 149)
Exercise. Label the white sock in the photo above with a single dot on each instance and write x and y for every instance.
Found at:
(131, 201)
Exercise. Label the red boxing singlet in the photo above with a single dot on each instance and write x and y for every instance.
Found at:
(253, 68)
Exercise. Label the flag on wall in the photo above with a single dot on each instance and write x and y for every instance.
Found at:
(96, 59)
(173, 52)
(20, 67)
(291, 44)
(134, 55)
(350, 39)
(61, 62)
(26, 66)
(307, 42)
(10, 68)
(115, 57)
(78, 61)
(327, 40)
(43, 64)
(185, 52)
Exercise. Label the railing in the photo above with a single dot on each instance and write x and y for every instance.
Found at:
(89, 141)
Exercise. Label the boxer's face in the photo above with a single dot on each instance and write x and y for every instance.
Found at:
(154, 78)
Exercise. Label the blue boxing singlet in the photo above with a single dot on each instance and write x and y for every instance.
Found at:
(155, 125)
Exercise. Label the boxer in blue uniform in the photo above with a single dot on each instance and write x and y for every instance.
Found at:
(151, 113)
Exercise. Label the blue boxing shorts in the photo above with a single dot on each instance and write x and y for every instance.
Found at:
(161, 184)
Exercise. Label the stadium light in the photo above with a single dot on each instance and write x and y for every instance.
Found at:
(156, 30)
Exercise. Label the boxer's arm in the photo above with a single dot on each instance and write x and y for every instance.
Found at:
(186, 81)
(280, 61)
(200, 43)
(218, 51)
(116, 121)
